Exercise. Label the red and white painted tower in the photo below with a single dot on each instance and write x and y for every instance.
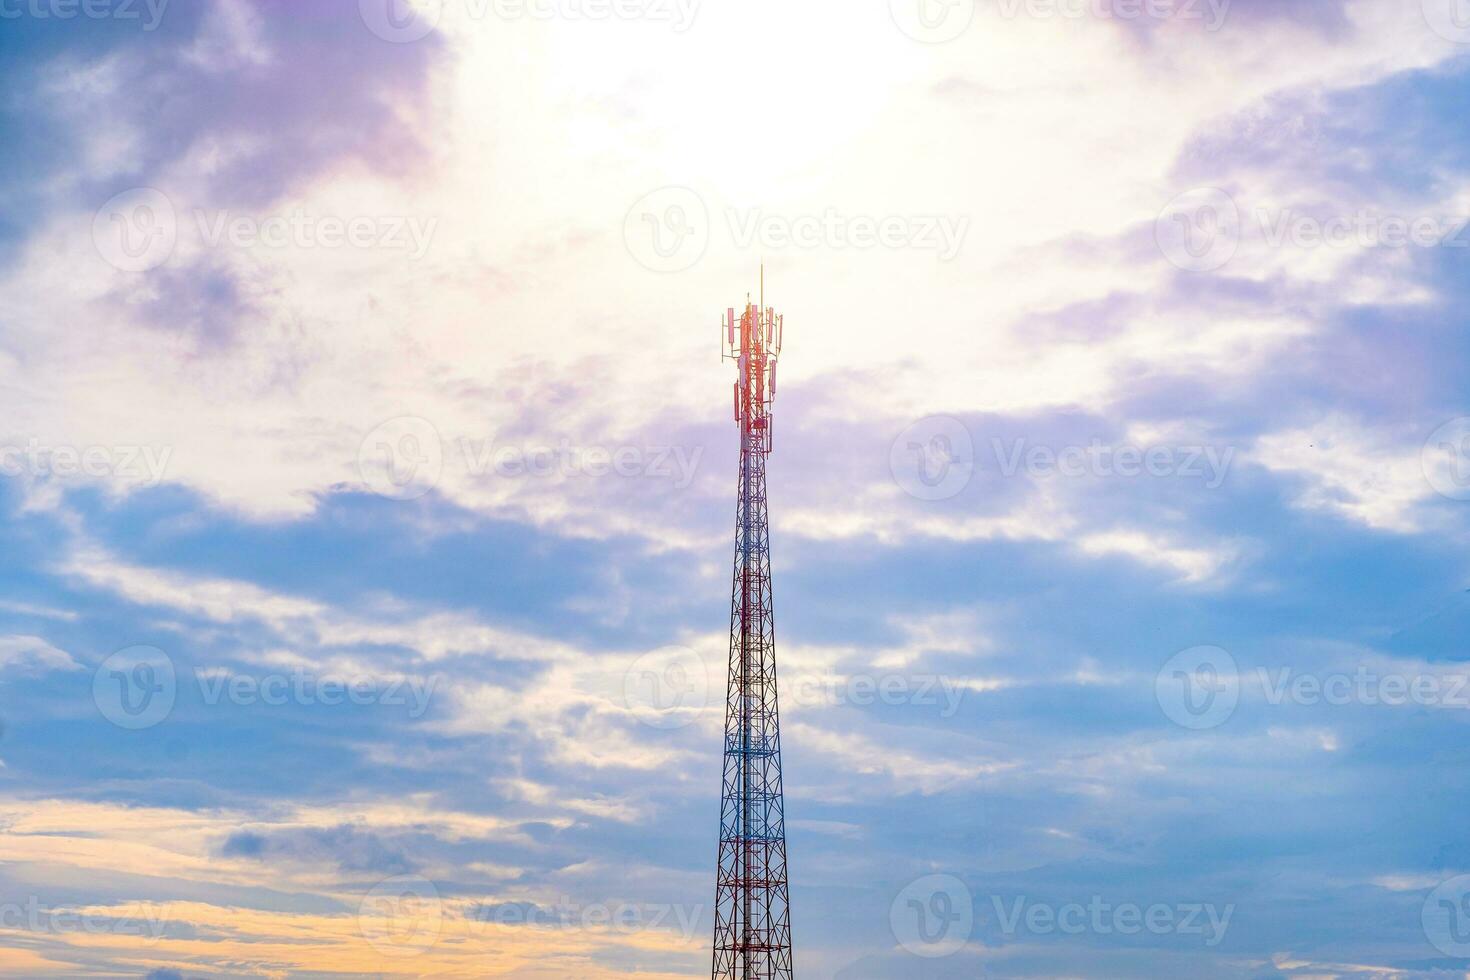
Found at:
(752, 916)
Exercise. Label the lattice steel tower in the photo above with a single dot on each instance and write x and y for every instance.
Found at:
(752, 917)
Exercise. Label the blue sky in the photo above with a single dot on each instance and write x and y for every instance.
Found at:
(368, 484)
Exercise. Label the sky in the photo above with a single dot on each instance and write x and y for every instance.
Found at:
(367, 470)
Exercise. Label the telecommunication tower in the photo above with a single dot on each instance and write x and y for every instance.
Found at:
(752, 916)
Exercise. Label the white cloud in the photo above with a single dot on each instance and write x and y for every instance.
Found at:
(32, 651)
(1360, 472)
(1192, 563)
(528, 285)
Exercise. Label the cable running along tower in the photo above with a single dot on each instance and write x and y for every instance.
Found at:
(752, 918)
